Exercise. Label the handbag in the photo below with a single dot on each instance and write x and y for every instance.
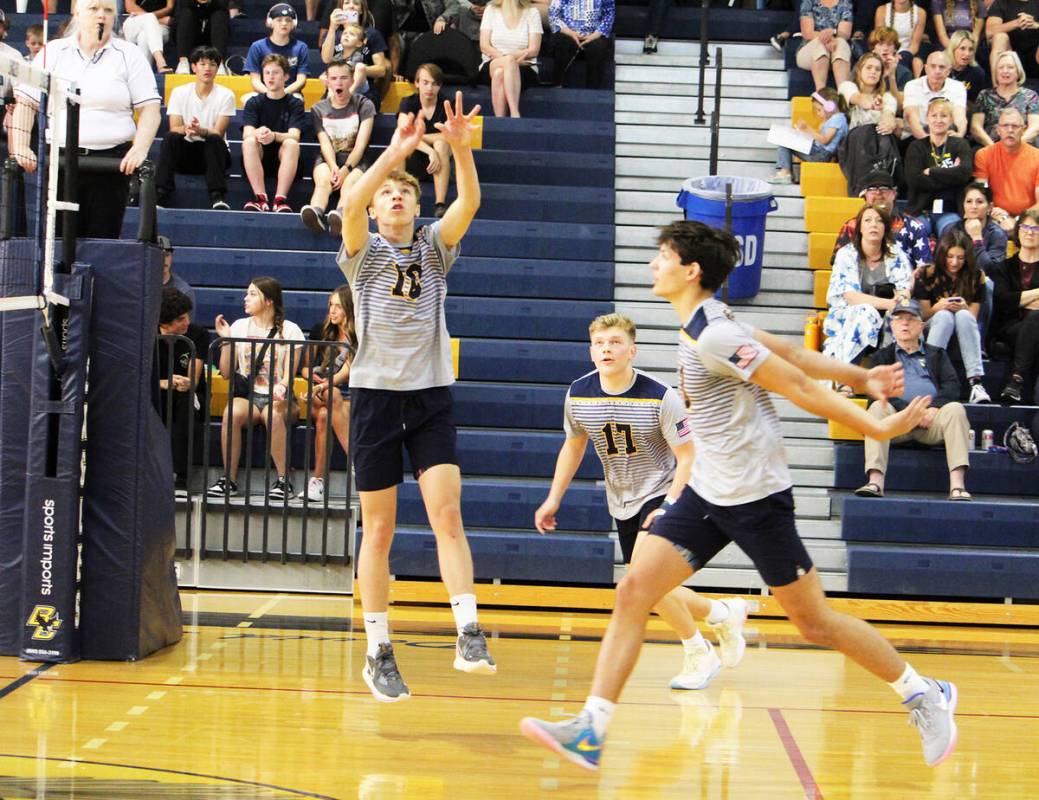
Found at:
(243, 384)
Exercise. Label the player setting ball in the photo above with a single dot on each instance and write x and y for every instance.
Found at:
(640, 432)
(740, 491)
(399, 383)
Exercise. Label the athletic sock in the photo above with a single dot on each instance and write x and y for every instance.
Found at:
(695, 644)
(463, 606)
(910, 684)
(377, 628)
(719, 612)
(601, 710)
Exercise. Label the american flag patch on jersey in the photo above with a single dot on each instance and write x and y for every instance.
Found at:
(743, 357)
(683, 427)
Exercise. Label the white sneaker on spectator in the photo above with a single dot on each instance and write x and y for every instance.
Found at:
(780, 177)
(315, 491)
(183, 68)
(978, 394)
(649, 46)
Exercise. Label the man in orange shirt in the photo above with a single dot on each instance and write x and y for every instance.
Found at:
(1010, 167)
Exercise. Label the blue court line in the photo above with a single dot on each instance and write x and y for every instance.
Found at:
(20, 682)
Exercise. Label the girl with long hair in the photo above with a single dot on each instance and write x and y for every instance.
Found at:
(267, 369)
(950, 292)
(331, 371)
(868, 102)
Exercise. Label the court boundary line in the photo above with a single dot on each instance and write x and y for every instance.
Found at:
(793, 752)
(241, 781)
(18, 683)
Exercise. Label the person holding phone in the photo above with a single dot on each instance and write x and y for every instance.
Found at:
(950, 293)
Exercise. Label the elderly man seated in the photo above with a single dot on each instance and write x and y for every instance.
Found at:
(928, 371)
(1010, 167)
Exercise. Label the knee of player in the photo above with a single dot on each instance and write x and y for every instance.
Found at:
(816, 627)
(446, 520)
(289, 146)
(635, 592)
(378, 535)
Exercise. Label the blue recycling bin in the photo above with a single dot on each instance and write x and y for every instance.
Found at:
(703, 199)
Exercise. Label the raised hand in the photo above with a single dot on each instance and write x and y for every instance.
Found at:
(885, 382)
(409, 133)
(457, 130)
(223, 329)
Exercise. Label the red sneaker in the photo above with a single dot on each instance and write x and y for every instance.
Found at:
(281, 206)
(259, 204)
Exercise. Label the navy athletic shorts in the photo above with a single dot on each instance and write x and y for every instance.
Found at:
(384, 423)
(628, 529)
(763, 529)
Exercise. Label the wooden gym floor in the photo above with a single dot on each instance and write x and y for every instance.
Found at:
(264, 699)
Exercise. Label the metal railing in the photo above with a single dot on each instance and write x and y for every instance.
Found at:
(701, 92)
(235, 536)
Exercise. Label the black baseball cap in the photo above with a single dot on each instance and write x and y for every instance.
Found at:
(282, 10)
(878, 178)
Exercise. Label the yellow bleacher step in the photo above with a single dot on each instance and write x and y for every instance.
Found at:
(820, 249)
(801, 111)
(823, 178)
(839, 431)
(828, 214)
(820, 284)
(241, 85)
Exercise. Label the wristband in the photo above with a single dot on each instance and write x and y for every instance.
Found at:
(668, 502)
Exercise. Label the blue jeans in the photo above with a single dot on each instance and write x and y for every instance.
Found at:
(985, 312)
(940, 330)
(785, 156)
(936, 225)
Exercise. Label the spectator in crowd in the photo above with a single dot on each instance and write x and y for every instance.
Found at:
(33, 41)
(989, 238)
(148, 26)
(1012, 25)
(919, 92)
(1009, 92)
(179, 368)
(452, 41)
(869, 276)
(950, 293)
(937, 168)
(884, 42)
(510, 39)
(1010, 166)
(170, 279)
(965, 69)
(281, 21)
(867, 98)
(830, 108)
(115, 82)
(656, 17)
(910, 234)
(343, 123)
(584, 29)
(273, 122)
(7, 87)
(199, 114)
(1015, 319)
(825, 30)
(267, 370)
(928, 371)
(432, 157)
(351, 42)
(200, 22)
(378, 67)
(958, 16)
(908, 21)
(331, 368)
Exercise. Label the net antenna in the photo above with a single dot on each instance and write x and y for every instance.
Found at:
(47, 105)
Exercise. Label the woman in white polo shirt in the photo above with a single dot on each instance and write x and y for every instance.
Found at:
(510, 38)
(114, 81)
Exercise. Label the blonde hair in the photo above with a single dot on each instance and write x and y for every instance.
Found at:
(605, 321)
(402, 176)
(939, 102)
(1017, 63)
(954, 44)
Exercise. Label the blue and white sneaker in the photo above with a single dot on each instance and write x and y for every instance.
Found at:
(931, 713)
(574, 739)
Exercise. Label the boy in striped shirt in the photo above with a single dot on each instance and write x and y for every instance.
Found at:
(740, 491)
(399, 382)
(642, 436)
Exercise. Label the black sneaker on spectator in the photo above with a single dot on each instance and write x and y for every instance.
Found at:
(281, 489)
(335, 222)
(162, 199)
(314, 218)
(218, 202)
(1013, 390)
(439, 210)
(649, 46)
(224, 487)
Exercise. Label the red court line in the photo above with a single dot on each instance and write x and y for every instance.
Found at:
(793, 752)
